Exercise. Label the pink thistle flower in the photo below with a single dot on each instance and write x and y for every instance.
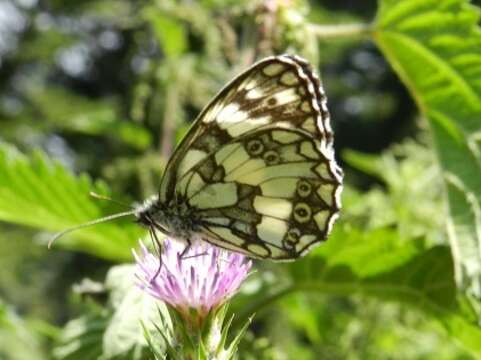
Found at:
(202, 282)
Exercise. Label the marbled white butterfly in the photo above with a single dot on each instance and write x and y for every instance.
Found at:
(256, 172)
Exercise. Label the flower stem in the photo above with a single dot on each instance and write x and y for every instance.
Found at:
(340, 31)
(261, 303)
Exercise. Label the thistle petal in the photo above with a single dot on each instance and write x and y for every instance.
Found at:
(204, 280)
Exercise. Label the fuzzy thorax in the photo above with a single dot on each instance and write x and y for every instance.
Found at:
(176, 219)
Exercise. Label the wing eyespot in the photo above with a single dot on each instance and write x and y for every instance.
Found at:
(255, 147)
(294, 233)
(272, 102)
(271, 157)
(292, 238)
(304, 188)
(302, 213)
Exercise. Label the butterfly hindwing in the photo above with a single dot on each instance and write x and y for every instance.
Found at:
(269, 193)
(258, 165)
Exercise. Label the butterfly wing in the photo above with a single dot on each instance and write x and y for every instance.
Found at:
(258, 164)
(280, 90)
(271, 193)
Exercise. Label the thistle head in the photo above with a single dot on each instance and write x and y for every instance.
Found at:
(196, 285)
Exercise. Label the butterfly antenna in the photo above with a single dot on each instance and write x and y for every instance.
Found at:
(104, 197)
(90, 223)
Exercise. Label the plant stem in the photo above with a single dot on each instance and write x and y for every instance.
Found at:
(339, 31)
(344, 288)
(169, 123)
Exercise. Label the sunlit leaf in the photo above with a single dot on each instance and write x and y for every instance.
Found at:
(435, 48)
(409, 196)
(39, 193)
(73, 113)
(133, 307)
(82, 338)
(115, 332)
(169, 32)
(380, 265)
(17, 340)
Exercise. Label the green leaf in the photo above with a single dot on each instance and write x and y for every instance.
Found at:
(82, 338)
(410, 197)
(76, 113)
(44, 46)
(168, 31)
(117, 331)
(435, 47)
(48, 197)
(380, 265)
(133, 307)
(17, 340)
(151, 343)
(232, 350)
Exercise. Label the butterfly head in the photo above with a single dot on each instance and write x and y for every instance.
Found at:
(147, 211)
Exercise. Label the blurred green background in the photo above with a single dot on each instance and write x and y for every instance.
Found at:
(95, 93)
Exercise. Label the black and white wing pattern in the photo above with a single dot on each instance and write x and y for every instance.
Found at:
(257, 168)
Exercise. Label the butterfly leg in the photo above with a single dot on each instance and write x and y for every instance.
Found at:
(186, 250)
(183, 256)
(158, 248)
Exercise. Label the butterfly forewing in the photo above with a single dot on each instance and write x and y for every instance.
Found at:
(258, 166)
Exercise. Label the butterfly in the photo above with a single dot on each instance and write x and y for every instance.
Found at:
(256, 172)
